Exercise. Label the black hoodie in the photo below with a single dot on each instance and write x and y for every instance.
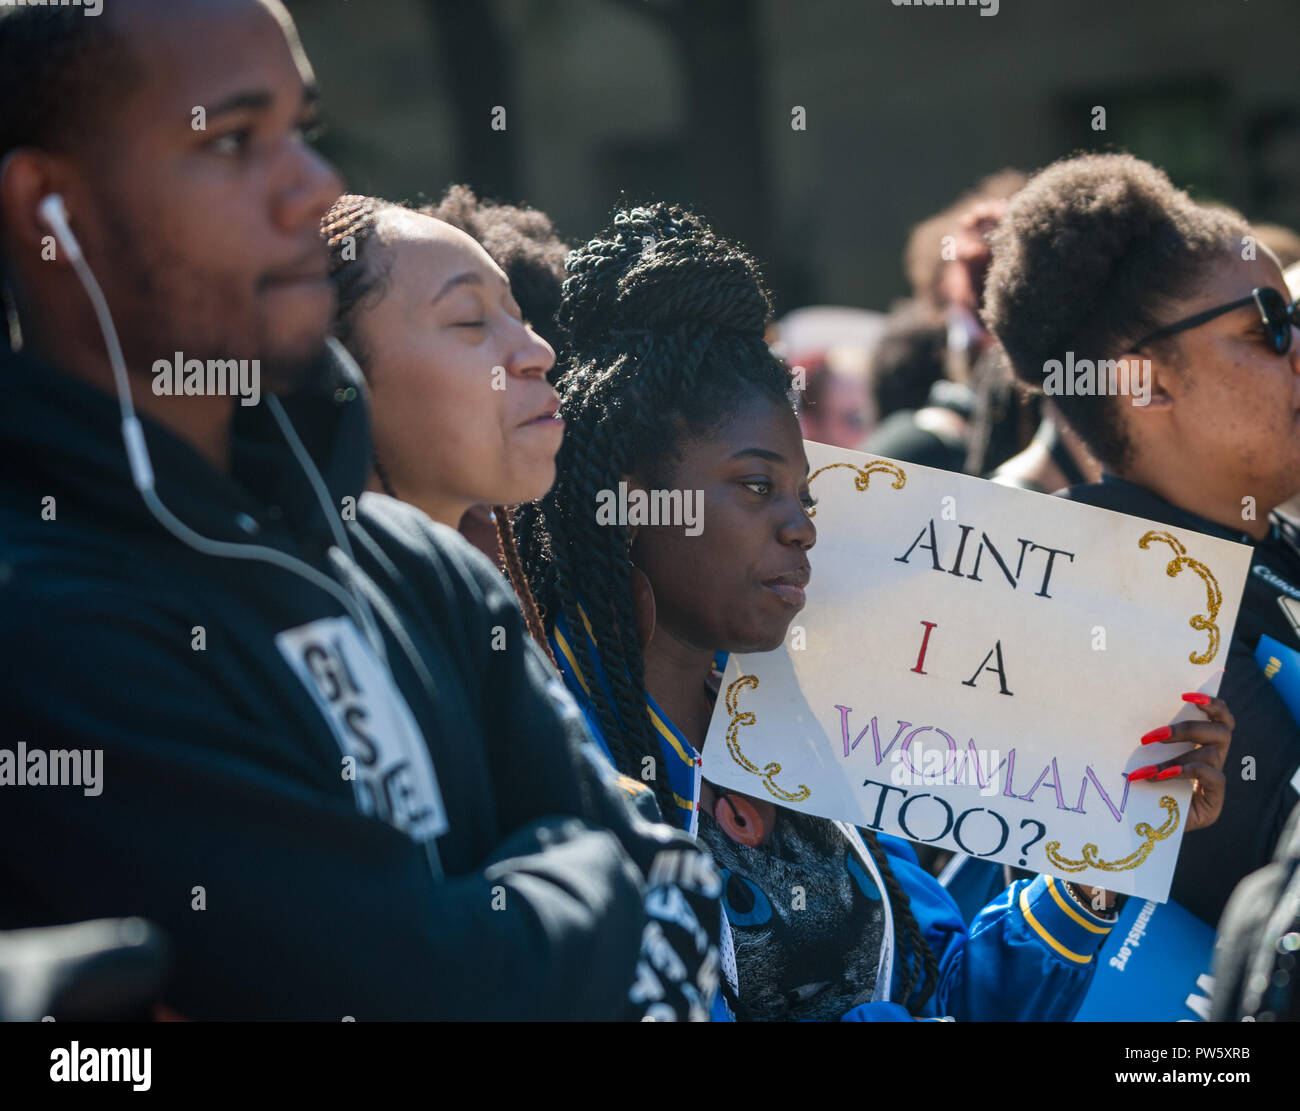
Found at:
(228, 811)
(1261, 792)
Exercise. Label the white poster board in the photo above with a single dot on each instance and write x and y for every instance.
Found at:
(974, 669)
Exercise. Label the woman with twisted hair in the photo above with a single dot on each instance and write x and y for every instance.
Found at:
(668, 386)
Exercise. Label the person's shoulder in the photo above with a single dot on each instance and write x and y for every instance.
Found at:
(421, 546)
(70, 631)
(1092, 493)
(75, 583)
(1119, 496)
(1257, 706)
(911, 438)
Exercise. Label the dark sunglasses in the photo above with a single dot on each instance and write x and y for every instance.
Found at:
(1277, 315)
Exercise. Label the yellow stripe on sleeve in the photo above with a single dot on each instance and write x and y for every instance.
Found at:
(1064, 903)
(1037, 926)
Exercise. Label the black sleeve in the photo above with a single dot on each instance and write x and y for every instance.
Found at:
(545, 758)
(528, 745)
(281, 899)
(1262, 761)
(538, 738)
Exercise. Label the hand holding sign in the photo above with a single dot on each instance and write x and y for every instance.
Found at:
(1202, 765)
(979, 679)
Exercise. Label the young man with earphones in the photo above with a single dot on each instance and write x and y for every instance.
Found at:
(336, 770)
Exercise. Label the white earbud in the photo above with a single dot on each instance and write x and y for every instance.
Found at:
(55, 215)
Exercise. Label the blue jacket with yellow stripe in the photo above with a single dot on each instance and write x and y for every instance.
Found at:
(1029, 955)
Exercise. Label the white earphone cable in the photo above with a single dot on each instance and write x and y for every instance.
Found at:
(353, 601)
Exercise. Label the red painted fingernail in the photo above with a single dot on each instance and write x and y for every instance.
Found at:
(1197, 699)
(1161, 734)
(1142, 773)
(1169, 773)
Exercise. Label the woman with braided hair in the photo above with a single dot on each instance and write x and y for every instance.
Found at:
(462, 412)
(667, 386)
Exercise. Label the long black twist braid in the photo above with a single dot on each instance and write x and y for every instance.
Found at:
(919, 962)
(664, 328)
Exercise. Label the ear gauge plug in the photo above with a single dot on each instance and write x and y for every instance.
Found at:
(55, 215)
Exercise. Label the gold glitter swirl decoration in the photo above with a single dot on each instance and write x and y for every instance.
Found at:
(1214, 596)
(739, 718)
(1137, 856)
(863, 479)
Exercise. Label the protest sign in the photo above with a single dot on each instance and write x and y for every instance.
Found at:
(974, 669)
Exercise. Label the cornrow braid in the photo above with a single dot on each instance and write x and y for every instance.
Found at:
(346, 228)
(664, 328)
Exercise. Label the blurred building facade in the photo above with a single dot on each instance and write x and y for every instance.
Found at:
(903, 109)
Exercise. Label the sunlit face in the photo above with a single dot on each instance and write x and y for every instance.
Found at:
(1235, 402)
(737, 585)
(461, 407)
(204, 229)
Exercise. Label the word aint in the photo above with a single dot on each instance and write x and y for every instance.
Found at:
(1027, 547)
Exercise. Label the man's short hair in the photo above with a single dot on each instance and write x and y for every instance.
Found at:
(58, 66)
(59, 70)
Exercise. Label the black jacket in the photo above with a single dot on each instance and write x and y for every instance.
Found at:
(1259, 799)
(220, 771)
